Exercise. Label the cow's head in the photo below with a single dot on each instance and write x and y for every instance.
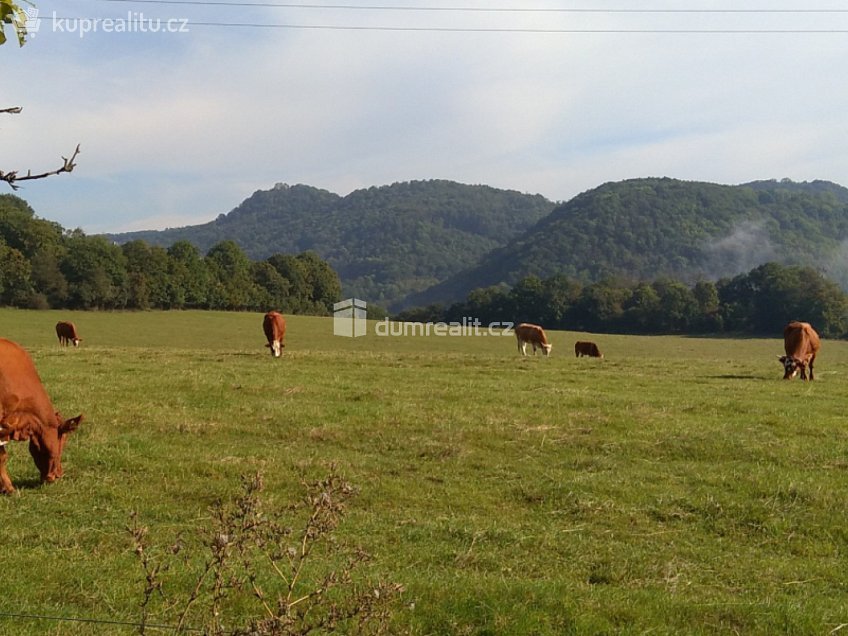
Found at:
(276, 348)
(546, 349)
(46, 446)
(791, 366)
(77, 341)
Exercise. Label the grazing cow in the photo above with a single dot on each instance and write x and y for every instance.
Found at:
(532, 334)
(67, 333)
(801, 343)
(26, 413)
(582, 348)
(274, 326)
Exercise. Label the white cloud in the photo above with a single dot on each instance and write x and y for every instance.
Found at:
(177, 127)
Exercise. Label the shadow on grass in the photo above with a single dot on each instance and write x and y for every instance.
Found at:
(27, 483)
(735, 376)
(731, 336)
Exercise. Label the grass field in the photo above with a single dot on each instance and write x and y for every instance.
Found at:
(677, 486)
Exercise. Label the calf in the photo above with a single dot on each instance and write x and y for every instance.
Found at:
(67, 333)
(801, 343)
(274, 326)
(526, 334)
(587, 349)
(26, 414)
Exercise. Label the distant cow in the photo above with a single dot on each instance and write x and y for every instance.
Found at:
(274, 326)
(26, 413)
(532, 334)
(801, 343)
(582, 348)
(67, 333)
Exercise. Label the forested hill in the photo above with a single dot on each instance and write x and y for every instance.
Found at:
(384, 242)
(642, 229)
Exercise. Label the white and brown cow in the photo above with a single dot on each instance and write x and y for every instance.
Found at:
(26, 414)
(274, 326)
(526, 334)
(801, 343)
(67, 334)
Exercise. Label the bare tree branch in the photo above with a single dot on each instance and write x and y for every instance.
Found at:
(12, 177)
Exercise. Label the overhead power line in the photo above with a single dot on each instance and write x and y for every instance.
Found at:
(433, 29)
(362, 7)
(718, 30)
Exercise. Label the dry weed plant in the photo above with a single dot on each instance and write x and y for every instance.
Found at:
(298, 578)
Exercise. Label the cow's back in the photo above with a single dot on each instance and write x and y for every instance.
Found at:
(20, 386)
(586, 348)
(526, 332)
(800, 339)
(67, 333)
(274, 325)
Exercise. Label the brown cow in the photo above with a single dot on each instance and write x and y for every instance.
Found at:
(533, 334)
(26, 413)
(274, 326)
(801, 343)
(67, 333)
(582, 348)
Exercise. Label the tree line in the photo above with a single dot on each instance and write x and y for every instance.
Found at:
(759, 302)
(43, 266)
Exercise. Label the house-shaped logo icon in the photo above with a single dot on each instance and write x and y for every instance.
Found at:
(349, 318)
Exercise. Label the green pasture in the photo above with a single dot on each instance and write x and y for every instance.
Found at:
(678, 486)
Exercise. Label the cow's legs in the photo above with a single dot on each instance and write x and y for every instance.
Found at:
(813, 359)
(5, 482)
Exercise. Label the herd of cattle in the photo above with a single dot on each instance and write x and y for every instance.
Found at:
(27, 414)
(534, 335)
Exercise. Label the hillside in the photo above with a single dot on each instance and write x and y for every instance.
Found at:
(384, 242)
(646, 228)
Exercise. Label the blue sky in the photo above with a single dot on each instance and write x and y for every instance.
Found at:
(177, 128)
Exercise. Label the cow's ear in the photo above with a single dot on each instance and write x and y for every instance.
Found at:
(781, 358)
(20, 427)
(69, 426)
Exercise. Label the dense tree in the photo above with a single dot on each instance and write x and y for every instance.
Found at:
(708, 317)
(323, 282)
(51, 286)
(646, 229)
(96, 272)
(43, 266)
(678, 309)
(15, 283)
(601, 306)
(488, 304)
(188, 277)
(232, 284)
(759, 302)
(528, 300)
(291, 271)
(643, 309)
(384, 242)
(147, 276)
(771, 295)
